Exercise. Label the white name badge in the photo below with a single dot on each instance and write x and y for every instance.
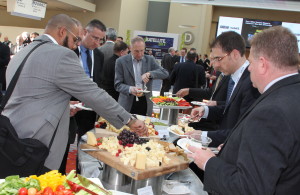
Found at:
(145, 191)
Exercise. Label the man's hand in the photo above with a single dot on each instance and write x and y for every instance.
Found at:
(73, 110)
(200, 156)
(139, 127)
(146, 77)
(135, 91)
(197, 113)
(211, 103)
(193, 132)
(183, 92)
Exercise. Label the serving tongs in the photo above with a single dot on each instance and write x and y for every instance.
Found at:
(86, 182)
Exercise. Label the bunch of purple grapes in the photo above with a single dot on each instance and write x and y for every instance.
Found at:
(128, 138)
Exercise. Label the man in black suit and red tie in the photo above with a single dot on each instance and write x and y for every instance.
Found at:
(262, 153)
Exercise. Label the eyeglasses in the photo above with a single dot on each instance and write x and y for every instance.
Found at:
(219, 58)
(77, 39)
(97, 39)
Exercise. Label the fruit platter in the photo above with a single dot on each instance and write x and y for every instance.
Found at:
(51, 183)
(170, 102)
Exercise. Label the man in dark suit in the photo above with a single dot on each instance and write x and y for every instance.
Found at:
(108, 72)
(4, 60)
(91, 59)
(167, 63)
(187, 74)
(262, 153)
(217, 96)
(228, 51)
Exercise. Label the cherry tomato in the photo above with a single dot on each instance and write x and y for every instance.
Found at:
(48, 191)
(68, 192)
(60, 188)
(23, 191)
(32, 191)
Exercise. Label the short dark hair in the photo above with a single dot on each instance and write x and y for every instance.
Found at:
(95, 24)
(228, 41)
(35, 33)
(185, 49)
(120, 38)
(119, 46)
(191, 55)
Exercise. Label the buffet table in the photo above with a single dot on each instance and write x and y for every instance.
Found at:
(113, 179)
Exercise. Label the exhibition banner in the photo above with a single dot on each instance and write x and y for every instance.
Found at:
(158, 43)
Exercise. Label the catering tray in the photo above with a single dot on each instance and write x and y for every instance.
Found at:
(176, 164)
(173, 107)
(99, 132)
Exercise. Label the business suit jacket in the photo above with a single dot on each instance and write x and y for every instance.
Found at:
(85, 120)
(4, 60)
(108, 76)
(218, 94)
(107, 49)
(40, 101)
(125, 78)
(262, 154)
(184, 75)
(241, 99)
(167, 63)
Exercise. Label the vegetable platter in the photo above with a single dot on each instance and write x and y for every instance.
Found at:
(170, 102)
(50, 183)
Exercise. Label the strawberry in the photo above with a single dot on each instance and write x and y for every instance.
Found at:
(156, 132)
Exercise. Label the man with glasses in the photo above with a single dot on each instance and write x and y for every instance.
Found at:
(262, 153)
(228, 56)
(51, 76)
(91, 59)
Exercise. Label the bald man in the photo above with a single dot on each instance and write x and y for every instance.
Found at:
(51, 75)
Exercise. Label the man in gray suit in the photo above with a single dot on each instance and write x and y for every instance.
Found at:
(51, 75)
(136, 69)
(108, 48)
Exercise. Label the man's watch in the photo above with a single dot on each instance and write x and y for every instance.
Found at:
(131, 120)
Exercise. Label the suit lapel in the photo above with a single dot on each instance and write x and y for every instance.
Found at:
(129, 65)
(144, 65)
(287, 81)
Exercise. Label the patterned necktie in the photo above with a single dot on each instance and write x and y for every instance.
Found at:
(89, 60)
(220, 77)
(229, 90)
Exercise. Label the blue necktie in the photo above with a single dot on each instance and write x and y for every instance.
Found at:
(229, 90)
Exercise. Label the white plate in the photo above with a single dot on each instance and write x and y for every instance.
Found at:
(183, 144)
(169, 129)
(79, 105)
(198, 103)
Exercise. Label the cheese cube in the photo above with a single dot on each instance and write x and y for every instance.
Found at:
(91, 139)
(140, 161)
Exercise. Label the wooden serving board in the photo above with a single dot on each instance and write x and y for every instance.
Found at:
(176, 164)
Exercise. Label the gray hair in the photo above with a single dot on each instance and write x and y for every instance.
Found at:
(137, 39)
(111, 34)
(171, 49)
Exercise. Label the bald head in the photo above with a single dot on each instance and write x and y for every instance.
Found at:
(59, 21)
(64, 30)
